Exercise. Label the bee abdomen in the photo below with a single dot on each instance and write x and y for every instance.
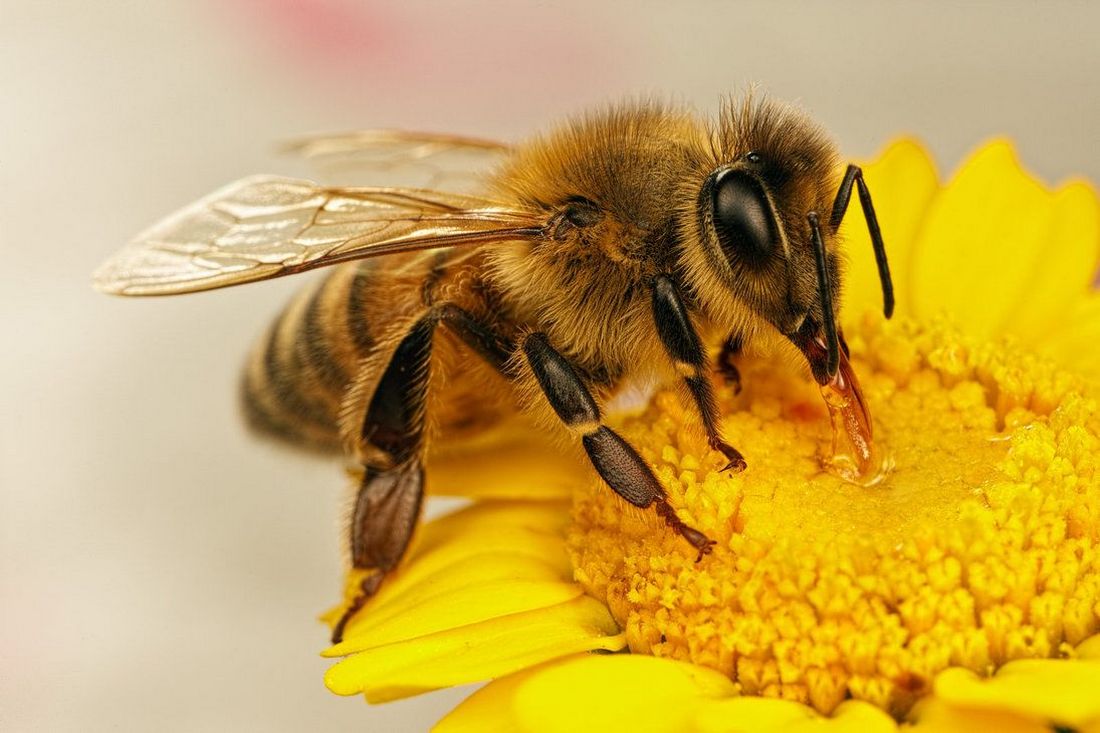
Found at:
(297, 376)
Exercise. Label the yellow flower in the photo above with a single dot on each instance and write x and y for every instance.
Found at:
(961, 592)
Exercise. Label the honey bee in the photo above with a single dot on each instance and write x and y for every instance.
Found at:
(614, 249)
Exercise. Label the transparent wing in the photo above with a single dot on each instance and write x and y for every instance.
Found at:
(399, 157)
(264, 227)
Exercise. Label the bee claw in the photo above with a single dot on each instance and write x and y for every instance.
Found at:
(705, 549)
(367, 588)
(737, 465)
(697, 539)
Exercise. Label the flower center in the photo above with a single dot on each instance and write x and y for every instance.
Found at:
(981, 544)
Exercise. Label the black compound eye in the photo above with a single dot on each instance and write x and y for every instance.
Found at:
(743, 219)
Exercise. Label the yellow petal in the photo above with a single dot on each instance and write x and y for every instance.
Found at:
(476, 652)
(1064, 265)
(490, 709)
(456, 570)
(936, 716)
(754, 714)
(902, 181)
(984, 237)
(1090, 648)
(510, 552)
(451, 609)
(449, 569)
(1074, 339)
(855, 715)
(624, 692)
(486, 557)
(760, 714)
(1060, 692)
(641, 693)
(477, 524)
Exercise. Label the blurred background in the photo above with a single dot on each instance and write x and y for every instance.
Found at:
(161, 569)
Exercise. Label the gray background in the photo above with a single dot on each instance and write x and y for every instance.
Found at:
(162, 570)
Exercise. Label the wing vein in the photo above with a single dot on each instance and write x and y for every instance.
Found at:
(265, 227)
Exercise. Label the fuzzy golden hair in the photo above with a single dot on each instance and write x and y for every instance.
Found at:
(643, 166)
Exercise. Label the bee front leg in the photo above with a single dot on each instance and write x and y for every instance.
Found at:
(614, 459)
(685, 348)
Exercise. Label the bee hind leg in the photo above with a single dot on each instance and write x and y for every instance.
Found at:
(386, 511)
(387, 506)
(614, 459)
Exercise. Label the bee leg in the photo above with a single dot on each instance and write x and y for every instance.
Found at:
(479, 337)
(685, 348)
(614, 459)
(726, 366)
(385, 514)
(387, 506)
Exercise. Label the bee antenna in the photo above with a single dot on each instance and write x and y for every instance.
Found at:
(832, 340)
(854, 174)
(879, 247)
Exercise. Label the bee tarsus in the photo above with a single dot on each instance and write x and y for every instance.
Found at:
(736, 461)
(703, 544)
(367, 588)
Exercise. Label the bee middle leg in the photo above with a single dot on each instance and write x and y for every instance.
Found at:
(614, 459)
(685, 348)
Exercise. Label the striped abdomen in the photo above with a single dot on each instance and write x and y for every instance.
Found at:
(298, 375)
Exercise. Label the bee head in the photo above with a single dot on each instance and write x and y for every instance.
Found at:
(768, 176)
